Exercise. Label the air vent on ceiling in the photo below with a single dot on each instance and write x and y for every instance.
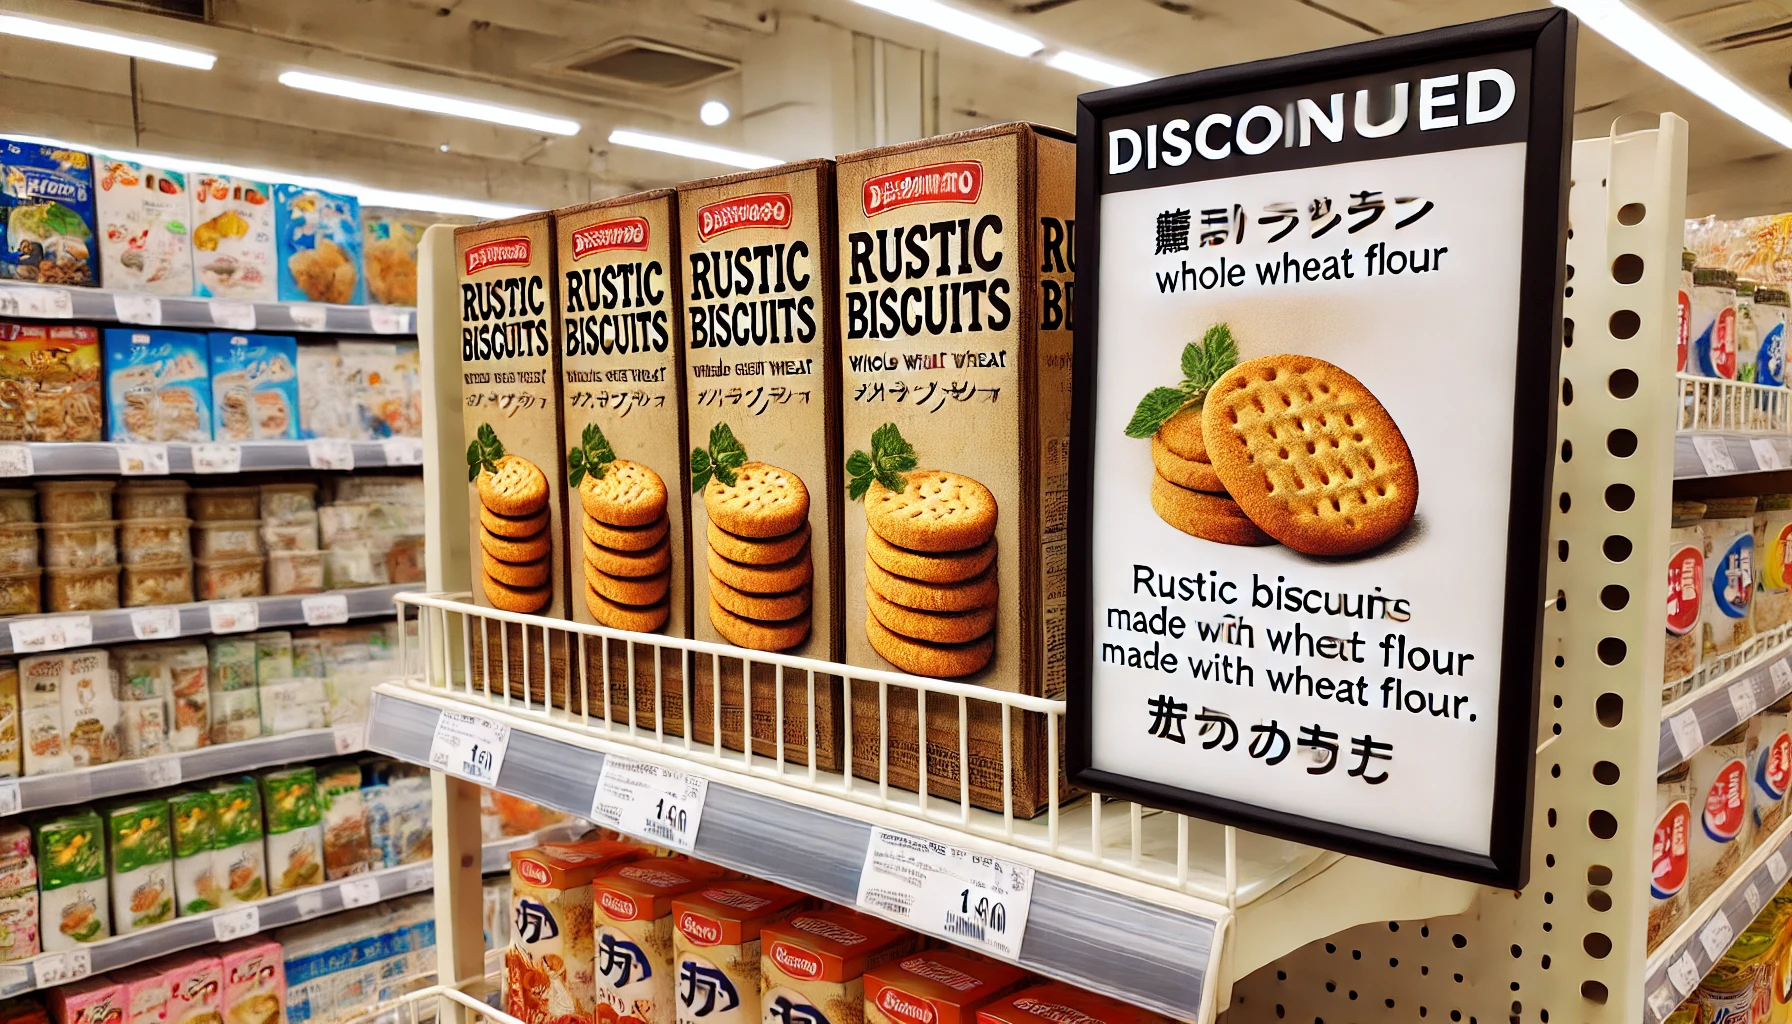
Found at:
(645, 64)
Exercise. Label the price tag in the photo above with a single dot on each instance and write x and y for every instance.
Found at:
(162, 771)
(388, 320)
(61, 968)
(1751, 894)
(156, 623)
(143, 459)
(1766, 455)
(1714, 454)
(970, 899)
(1781, 674)
(469, 746)
(1687, 735)
(330, 453)
(308, 317)
(1715, 937)
(137, 309)
(419, 879)
(309, 905)
(1662, 1002)
(325, 609)
(1742, 699)
(233, 316)
(15, 460)
(9, 799)
(39, 303)
(658, 804)
(234, 616)
(403, 451)
(51, 633)
(359, 892)
(1684, 974)
(217, 458)
(1776, 866)
(349, 739)
(236, 924)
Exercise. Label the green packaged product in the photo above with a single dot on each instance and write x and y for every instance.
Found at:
(295, 833)
(348, 848)
(273, 656)
(71, 871)
(238, 855)
(197, 887)
(141, 847)
(232, 663)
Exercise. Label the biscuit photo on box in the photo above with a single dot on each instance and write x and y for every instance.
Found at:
(761, 572)
(930, 577)
(1282, 449)
(627, 559)
(514, 548)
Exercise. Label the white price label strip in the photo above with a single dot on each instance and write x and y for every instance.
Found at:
(1751, 894)
(469, 746)
(236, 924)
(234, 616)
(1714, 454)
(325, 609)
(309, 905)
(349, 738)
(970, 899)
(359, 892)
(137, 309)
(1715, 937)
(15, 460)
(158, 623)
(1766, 455)
(233, 316)
(1687, 735)
(1776, 866)
(52, 633)
(661, 805)
(61, 968)
(1781, 674)
(162, 771)
(386, 320)
(9, 799)
(1684, 974)
(217, 458)
(143, 459)
(403, 451)
(1742, 699)
(330, 453)
(1662, 1002)
(40, 303)
(308, 318)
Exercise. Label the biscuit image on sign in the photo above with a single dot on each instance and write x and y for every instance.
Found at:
(760, 565)
(627, 559)
(515, 549)
(930, 580)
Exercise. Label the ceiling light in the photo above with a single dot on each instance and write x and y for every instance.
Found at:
(713, 113)
(1095, 70)
(962, 24)
(348, 88)
(128, 46)
(694, 150)
(1647, 42)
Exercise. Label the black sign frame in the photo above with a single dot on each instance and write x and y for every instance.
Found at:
(1550, 37)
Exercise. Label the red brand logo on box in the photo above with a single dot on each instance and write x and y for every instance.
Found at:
(620, 907)
(499, 253)
(626, 233)
(958, 181)
(530, 871)
(762, 210)
(796, 962)
(700, 929)
(906, 1008)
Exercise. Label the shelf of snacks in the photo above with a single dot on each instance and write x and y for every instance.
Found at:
(53, 458)
(1725, 693)
(47, 302)
(42, 633)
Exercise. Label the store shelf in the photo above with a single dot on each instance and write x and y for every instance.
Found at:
(51, 303)
(1702, 454)
(116, 626)
(1724, 703)
(106, 458)
(495, 856)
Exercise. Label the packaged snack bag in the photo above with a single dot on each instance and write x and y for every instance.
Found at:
(197, 884)
(144, 219)
(233, 239)
(716, 943)
(1670, 867)
(20, 936)
(295, 835)
(348, 848)
(47, 235)
(50, 387)
(140, 848)
(1728, 529)
(239, 857)
(813, 965)
(255, 386)
(1719, 795)
(158, 385)
(72, 903)
(319, 235)
(254, 982)
(11, 764)
(89, 709)
(40, 698)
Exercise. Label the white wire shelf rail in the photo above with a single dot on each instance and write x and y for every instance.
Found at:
(1728, 427)
(50, 302)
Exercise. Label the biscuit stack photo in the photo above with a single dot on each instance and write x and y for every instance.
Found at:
(761, 572)
(514, 548)
(1187, 493)
(628, 556)
(930, 576)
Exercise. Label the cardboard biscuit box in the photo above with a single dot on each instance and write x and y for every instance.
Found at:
(936, 987)
(762, 404)
(510, 370)
(716, 946)
(1057, 1003)
(955, 272)
(812, 967)
(632, 910)
(623, 449)
(549, 966)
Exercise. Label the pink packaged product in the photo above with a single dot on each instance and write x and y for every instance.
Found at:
(254, 982)
(145, 994)
(96, 1000)
(195, 988)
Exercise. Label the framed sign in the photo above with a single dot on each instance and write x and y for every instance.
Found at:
(1315, 376)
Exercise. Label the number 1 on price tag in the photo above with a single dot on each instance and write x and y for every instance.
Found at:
(970, 899)
(234, 616)
(469, 746)
(236, 924)
(359, 892)
(325, 610)
(1714, 454)
(646, 800)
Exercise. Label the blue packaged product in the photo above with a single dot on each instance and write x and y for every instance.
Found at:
(46, 197)
(319, 238)
(255, 386)
(158, 386)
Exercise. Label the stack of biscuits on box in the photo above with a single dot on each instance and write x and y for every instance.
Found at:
(1187, 492)
(760, 569)
(628, 560)
(514, 549)
(930, 578)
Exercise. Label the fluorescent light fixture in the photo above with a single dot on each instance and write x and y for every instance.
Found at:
(111, 42)
(962, 24)
(694, 150)
(434, 103)
(713, 113)
(1646, 41)
(1095, 70)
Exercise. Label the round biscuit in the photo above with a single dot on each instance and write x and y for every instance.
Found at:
(755, 635)
(515, 549)
(1213, 517)
(636, 618)
(1182, 434)
(516, 488)
(933, 627)
(1310, 455)
(513, 526)
(627, 494)
(954, 567)
(935, 511)
(515, 599)
(765, 501)
(625, 538)
(636, 590)
(516, 574)
(779, 578)
(764, 607)
(937, 661)
(977, 592)
(629, 563)
(754, 551)
(1189, 473)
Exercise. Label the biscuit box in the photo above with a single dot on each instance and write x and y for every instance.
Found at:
(50, 383)
(936, 987)
(624, 444)
(254, 981)
(233, 239)
(812, 966)
(255, 386)
(632, 906)
(144, 215)
(195, 987)
(549, 970)
(89, 1001)
(158, 386)
(1058, 1003)
(145, 994)
(715, 939)
(140, 856)
(318, 243)
(72, 904)
(46, 215)
(762, 405)
(955, 270)
(510, 369)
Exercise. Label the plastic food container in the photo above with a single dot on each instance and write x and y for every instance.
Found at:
(18, 546)
(229, 538)
(21, 593)
(295, 572)
(354, 567)
(82, 590)
(281, 502)
(75, 501)
(80, 545)
(221, 579)
(157, 583)
(211, 504)
(299, 534)
(160, 500)
(160, 541)
(18, 505)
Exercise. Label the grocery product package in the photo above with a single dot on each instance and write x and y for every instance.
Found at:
(1713, 331)
(140, 863)
(20, 930)
(378, 404)
(158, 385)
(716, 943)
(1718, 789)
(144, 218)
(46, 743)
(632, 905)
(254, 981)
(50, 386)
(72, 899)
(11, 763)
(90, 709)
(1728, 531)
(1770, 768)
(255, 386)
(146, 994)
(936, 987)
(18, 894)
(198, 882)
(238, 851)
(348, 848)
(47, 232)
(389, 241)
(295, 835)
(324, 405)
(1055, 1002)
(97, 1000)
(195, 987)
(398, 827)
(319, 236)
(190, 673)
(233, 239)
(549, 970)
(815, 962)
(1741, 983)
